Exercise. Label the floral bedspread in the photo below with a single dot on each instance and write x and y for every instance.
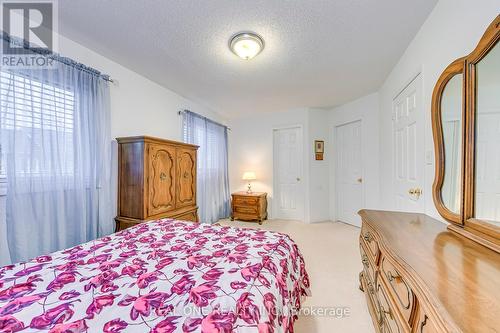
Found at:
(163, 276)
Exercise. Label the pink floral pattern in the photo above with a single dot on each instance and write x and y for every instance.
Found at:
(164, 276)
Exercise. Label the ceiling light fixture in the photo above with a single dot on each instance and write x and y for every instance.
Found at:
(246, 45)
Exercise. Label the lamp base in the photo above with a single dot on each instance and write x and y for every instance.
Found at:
(249, 191)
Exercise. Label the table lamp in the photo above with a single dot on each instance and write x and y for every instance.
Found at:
(249, 175)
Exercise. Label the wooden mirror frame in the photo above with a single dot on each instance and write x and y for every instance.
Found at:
(464, 223)
(455, 68)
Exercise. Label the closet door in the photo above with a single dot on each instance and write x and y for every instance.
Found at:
(186, 177)
(161, 176)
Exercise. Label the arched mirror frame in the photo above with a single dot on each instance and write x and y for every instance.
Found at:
(455, 68)
(464, 223)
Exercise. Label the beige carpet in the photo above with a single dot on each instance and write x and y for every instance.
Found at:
(332, 259)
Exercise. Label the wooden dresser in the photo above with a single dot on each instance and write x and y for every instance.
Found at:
(156, 179)
(420, 277)
(249, 206)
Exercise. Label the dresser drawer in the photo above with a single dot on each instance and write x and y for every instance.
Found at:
(368, 265)
(388, 318)
(245, 201)
(371, 299)
(399, 290)
(371, 244)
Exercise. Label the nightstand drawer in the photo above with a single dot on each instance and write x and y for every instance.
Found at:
(245, 201)
(246, 210)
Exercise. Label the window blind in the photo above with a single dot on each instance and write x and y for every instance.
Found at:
(33, 107)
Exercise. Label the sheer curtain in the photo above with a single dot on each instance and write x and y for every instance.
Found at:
(56, 149)
(213, 179)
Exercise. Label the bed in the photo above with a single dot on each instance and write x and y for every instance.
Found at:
(161, 276)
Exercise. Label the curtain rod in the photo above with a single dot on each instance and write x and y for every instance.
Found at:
(55, 56)
(199, 115)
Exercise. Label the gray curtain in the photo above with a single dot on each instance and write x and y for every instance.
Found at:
(213, 179)
(56, 141)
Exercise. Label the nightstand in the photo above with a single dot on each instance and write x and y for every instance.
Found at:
(249, 206)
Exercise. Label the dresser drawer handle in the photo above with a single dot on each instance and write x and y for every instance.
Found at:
(163, 176)
(423, 323)
(371, 290)
(365, 261)
(367, 237)
(386, 312)
(392, 277)
(380, 313)
(396, 278)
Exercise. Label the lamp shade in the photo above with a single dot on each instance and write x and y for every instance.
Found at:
(249, 175)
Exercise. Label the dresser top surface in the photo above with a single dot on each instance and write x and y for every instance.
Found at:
(460, 275)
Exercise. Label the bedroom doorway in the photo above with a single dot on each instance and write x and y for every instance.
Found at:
(349, 172)
(288, 172)
(409, 154)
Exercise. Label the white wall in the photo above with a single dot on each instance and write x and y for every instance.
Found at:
(319, 171)
(452, 30)
(365, 109)
(139, 106)
(251, 148)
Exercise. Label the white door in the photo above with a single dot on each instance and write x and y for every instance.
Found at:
(349, 172)
(409, 148)
(288, 191)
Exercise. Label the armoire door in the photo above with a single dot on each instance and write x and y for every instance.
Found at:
(186, 177)
(161, 176)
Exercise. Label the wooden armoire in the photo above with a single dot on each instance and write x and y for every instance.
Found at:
(156, 179)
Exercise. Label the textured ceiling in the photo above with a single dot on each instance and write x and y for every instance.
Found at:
(317, 54)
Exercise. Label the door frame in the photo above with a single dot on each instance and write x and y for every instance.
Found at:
(303, 187)
(417, 74)
(334, 180)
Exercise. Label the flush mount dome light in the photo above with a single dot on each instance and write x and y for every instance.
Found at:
(246, 45)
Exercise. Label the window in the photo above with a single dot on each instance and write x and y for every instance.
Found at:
(208, 134)
(36, 113)
(212, 169)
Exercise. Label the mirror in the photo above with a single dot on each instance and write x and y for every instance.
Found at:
(487, 141)
(466, 129)
(452, 124)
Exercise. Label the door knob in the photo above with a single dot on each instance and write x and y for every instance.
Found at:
(298, 179)
(360, 180)
(415, 191)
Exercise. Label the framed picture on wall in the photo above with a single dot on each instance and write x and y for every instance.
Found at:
(319, 149)
(319, 146)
